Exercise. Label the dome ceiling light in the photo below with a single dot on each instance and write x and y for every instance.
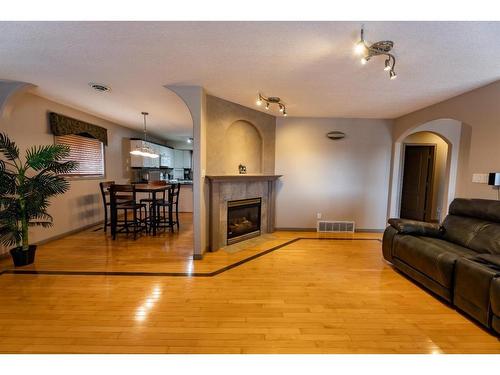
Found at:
(99, 87)
(272, 100)
(382, 48)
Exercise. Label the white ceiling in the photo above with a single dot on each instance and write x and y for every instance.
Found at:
(310, 65)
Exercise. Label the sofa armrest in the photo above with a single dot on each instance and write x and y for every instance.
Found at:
(419, 228)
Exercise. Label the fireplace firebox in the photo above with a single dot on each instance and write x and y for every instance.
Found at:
(243, 219)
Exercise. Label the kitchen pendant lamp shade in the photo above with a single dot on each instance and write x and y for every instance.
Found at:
(144, 150)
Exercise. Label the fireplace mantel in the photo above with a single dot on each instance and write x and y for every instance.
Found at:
(225, 188)
(242, 178)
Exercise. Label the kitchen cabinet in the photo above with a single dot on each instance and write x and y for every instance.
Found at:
(166, 157)
(187, 159)
(178, 159)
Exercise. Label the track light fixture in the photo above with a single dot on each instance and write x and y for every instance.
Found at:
(382, 48)
(272, 100)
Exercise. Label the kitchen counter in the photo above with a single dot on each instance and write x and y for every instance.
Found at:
(186, 197)
(182, 182)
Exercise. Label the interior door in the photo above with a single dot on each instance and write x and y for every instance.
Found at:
(416, 196)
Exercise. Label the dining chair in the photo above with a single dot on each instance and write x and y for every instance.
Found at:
(104, 187)
(117, 204)
(168, 207)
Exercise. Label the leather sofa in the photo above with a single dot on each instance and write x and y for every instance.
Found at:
(458, 260)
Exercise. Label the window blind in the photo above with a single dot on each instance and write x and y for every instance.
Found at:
(88, 152)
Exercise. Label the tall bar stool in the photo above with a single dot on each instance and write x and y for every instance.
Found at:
(104, 186)
(138, 223)
(168, 207)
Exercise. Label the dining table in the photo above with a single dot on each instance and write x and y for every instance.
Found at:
(152, 189)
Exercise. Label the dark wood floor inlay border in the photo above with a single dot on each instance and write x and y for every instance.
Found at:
(177, 274)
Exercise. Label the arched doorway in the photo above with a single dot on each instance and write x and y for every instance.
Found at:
(447, 133)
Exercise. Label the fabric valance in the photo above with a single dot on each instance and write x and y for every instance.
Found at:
(63, 125)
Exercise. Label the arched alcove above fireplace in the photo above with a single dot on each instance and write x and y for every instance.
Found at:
(243, 146)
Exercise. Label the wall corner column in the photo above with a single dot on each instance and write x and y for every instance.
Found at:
(195, 99)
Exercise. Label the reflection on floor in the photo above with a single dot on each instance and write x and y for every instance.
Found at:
(310, 296)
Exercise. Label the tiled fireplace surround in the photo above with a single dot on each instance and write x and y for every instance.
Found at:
(227, 188)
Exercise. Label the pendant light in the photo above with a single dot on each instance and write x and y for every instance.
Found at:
(144, 150)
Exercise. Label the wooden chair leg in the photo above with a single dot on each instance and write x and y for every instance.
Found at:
(135, 224)
(105, 218)
(126, 221)
(113, 223)
(177, 216)
(170, 218)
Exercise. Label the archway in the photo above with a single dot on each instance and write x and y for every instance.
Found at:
(448, 130)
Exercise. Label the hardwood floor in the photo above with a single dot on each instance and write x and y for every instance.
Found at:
(310, 296)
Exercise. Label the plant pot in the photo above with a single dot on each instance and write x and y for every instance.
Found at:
(23, 257)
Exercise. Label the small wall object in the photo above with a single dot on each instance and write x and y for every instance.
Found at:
(336, 135)
(242, 168)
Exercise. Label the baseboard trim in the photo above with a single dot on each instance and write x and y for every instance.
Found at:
(65, 234)
(296, 229)
(360, 230)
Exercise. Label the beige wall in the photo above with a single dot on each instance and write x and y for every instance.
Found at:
(231, 139)
(344, 180)
(28, 125)
(439, 182)
(479, 110)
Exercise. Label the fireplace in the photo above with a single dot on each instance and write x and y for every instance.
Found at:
(243, 219)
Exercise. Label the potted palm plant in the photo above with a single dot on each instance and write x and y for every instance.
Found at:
(26, 188)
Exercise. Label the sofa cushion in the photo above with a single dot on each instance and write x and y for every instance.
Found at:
(461, 230)
(487, 239)
(491, 260)
(472, 287)
(431, 256)
(483, 209)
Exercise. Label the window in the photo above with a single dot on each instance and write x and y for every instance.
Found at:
(88, 152)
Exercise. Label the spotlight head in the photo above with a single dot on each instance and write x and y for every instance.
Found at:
(392, 74)
(285, 114)
(267, 106)
(359, 48)
(281, 108)
(364, 60)
(387, 65)
(258, 102)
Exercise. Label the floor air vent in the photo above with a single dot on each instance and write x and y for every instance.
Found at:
(335, 226)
